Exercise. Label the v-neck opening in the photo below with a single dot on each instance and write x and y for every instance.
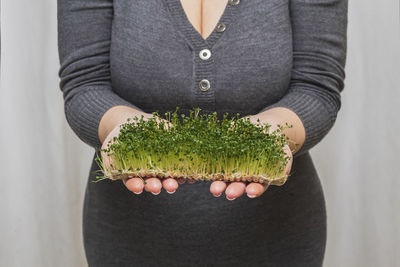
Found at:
(182, 10)
(181, 20)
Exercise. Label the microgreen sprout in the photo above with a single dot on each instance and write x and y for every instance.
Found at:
(199, 147)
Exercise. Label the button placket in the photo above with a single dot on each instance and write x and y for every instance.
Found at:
(204, 76)
(204, 55)
(204, 66)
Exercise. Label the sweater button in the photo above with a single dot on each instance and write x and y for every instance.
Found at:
(204, 85)
(205, 54)
(220, 27)
(233, 2)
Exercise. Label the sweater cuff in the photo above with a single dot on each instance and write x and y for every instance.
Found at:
(84, 111)
(317, 116)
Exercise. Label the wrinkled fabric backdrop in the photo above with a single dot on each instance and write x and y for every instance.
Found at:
(44, 166)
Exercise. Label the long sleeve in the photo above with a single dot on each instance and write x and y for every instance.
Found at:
(319, 29)
(84, 36)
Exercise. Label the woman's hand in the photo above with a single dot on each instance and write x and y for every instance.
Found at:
(252, 189)
(136, 184)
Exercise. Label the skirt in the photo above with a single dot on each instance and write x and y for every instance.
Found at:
(285, 226)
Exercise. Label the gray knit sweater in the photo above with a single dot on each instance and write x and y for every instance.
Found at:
(145, 54)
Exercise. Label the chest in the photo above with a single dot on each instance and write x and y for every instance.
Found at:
(164, 55)
(204, 14)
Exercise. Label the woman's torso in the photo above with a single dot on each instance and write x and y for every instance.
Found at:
(155, 61)
(155, 64)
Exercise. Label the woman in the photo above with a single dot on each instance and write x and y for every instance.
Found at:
(277, 61)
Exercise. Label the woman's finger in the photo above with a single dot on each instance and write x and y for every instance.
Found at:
(153, 185)
(170, 185)
(135, 184)
(217, 187)
(234, 190)
(256, 189)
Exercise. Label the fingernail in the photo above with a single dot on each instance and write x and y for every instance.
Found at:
(138, 192)
(170, 192)
(229, 198)
(217, 195)
(156, 193)
(251, 196)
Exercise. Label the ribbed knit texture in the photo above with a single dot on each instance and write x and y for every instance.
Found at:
(319, 55)
(85, 110)
(317, 31)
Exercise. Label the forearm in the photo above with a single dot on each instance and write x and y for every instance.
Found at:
(115, 116)
(319, 30)
(281, 115)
